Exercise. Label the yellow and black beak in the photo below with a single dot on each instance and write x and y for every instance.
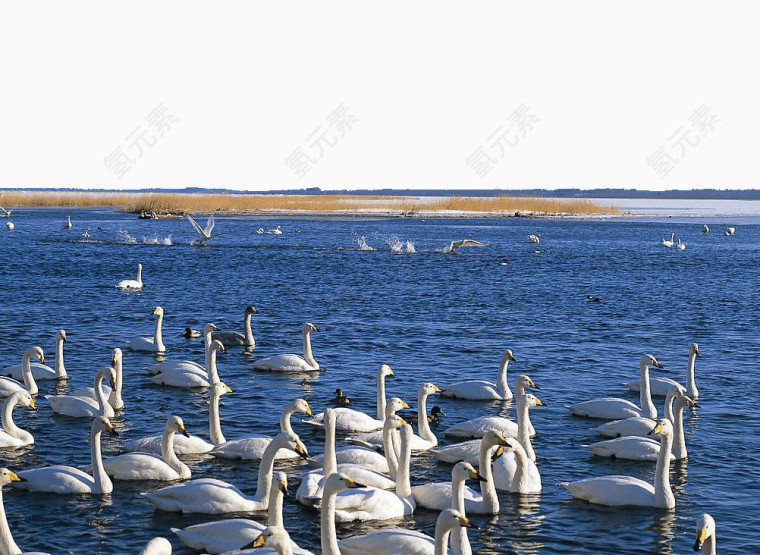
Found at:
(259, 542)
(533, 385)
(314, 328)
(404, 405)
(32, 405)
(436, 389)
(283, 485)
(540, 403)
(227, 389)
(474, 475)
(701, 537)
(15, 477)
(301, 450)
(308, 410)
(183, 431)
(656, 430)
(501, 439)
(403, 422)
(498, 453)
(464, 522)
(114, 360)
(42, 358)
(392, 373)
(350, 483)
(110, 429)
(511, 357)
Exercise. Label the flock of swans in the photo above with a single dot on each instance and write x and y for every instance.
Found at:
(366, 479)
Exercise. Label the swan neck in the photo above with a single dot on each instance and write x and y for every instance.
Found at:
(249, 341)
(102, 481)
(458, 535)
(167, 452)
(679, 446)
(330, 464)
(662, 492)
(442, 531)
(403, 484)
(214, 423)
(7, 418)
(503, 384)
(691, 382)
(26, 372)
(285, 420)
(274, 512)
(157, 338)
(7, 544)
(266, 470)
(60, 369)
(213, 373)
(709, 547)
(115, 398)
(99, 395)
(139, 275)
(390, 451)
(522, 463)
(487, 488)
(329, 537)
(381, 396)
(523, 429)
(307, 349)
(422, 421)
(645, 395)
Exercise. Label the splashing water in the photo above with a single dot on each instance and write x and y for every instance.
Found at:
(363, 246)
(126, 238)
(129, 239)
(166, 241)
(410, 246)
(395, 244)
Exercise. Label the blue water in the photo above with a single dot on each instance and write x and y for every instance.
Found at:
(432, 317)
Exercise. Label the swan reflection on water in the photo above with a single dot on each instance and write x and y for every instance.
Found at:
(520, 533)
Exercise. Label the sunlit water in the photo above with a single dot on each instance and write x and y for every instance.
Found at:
(432, 317)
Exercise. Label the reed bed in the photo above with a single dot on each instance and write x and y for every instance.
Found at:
(176, 203)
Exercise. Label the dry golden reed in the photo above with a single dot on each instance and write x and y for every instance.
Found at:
(184, 202)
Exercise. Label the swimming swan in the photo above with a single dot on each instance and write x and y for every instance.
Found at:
(613, 408)
(629, 491)
(67, 223)
(233, 533)
(153, 344)
(350, 420)
(190, 378)
(252, 448)
(41, 371)
(310, 490)
(659, 387)
(639, 425)
(84, 407)
(69, 480)
(211, 496)
(10, 386)
(668, 242)
(132, 283)
(516, 470)
(379, 504)
(7, 545)
(187, 365)
(483, 390)
(114, 395)
(145, 466)
(11, 435)
(705, 535)
(235, 338)
(292, 363)
(438, 495)
(680, 245)
(191, 444)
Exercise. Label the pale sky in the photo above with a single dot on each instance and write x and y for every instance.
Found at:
(423, 94)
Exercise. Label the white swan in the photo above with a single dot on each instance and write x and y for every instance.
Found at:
(67, 223)
(705, 229)
(253, 447)
(705, 535)
(730, 230)
(260, 231)
(234, 533)
(639, 425)
(114, 394)
(11, 435)
(188, 365)
(188, 377)
(357, 455)
(84, 407)
(146, 466)
(70, 480)
(7, 544)
(426, 439)
(659, 387)
(534, 238)
(6, 213)
(627, 490)
(276, 231)
(310, 490)
(645, 448)
(516, 470)
(212, 496)
(153, 344)
(668, 242)
(379, 504)
(402, 540)
(438, 495)
(157, 546)
(613, 408)
(681, 246)
(41, 371)
(132, 283)
(10, 225)
(235, 338)
(204, 232)
(350, 420)
(476, 427)
(190, 445)
(292, 363)
(484, 390)
(10, 386)
(454, 245)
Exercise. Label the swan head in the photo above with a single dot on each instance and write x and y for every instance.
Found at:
(531, 400)
(293, 443)
(428, 389)
(208, 328)
(103, 424)
(465, 471)
(649, 360)
(116, 357)
(8, 476)
(109, 374)
(385, 371)
(175, 424)
(694, 349)
(216, 345)
(705, 529)
(220, 388)
(682, 401)
(139, 267)
(61, 335)
(275, 537)
(158, 311)
(663, 428)
(394, 421)
(525, 381)
(394, 405)
(451, 518)
(250, 310)
(307, 328)
(280, 481)
(492, 437)
(337, 482)
(301, 405)
(24, 398)
(507, 356)
(36, 352)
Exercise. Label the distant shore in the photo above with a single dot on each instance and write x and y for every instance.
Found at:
(323, 205)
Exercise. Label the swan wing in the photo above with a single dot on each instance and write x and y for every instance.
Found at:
(370, 504)
(78, 407)
(220, 536)
(630, 447)
(182, 445)
(250, 448)
(367, 476)
(143, 344)
(39, 371)
(56, 479)
(477, 427)
(139, 466)
(129, 284)
(209, 226)
(467, 451)
(180, 377)
(387, 542)
(505, 469)
(229, 338)
(174, 365)
(283, 363)
(659, 387)
(9, 386)
(196, 226)
(207, 495)
(7, 440)
(635, 426)
(613, 491)
(437, 496)
(606, 408)
(349, 420)
(359, 456)
(475, 390)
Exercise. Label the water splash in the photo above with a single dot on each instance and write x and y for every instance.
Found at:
(129, 239)
(126, 238)
(166, 241)
(363, 246)
(395, 244)
(410, 246)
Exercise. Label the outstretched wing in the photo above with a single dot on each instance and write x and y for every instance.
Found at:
(209, 226)
(198, 228)
(464, 243)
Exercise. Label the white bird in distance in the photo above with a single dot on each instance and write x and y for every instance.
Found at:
(462, 243)
(205, 233)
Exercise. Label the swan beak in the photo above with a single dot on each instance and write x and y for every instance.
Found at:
(308, 410)
(656, 430)
(42, 358)
(533, 385)
(436, 389)
(111, 429)
(392, 373)
(183, 431)
(32, 405)
(694, 404)
(15, 477)
(227, 389)
(314, 328)
(701, 537)
(404, 405)
(213, 327)
(111, 383)
(403, 422)
(511, 357)
(474, 475)
(301, 450)
(353, 484)
(258, 542)
(499, 452)
(283, 487)
(540, 403)
(501, 439)
(464, 522)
